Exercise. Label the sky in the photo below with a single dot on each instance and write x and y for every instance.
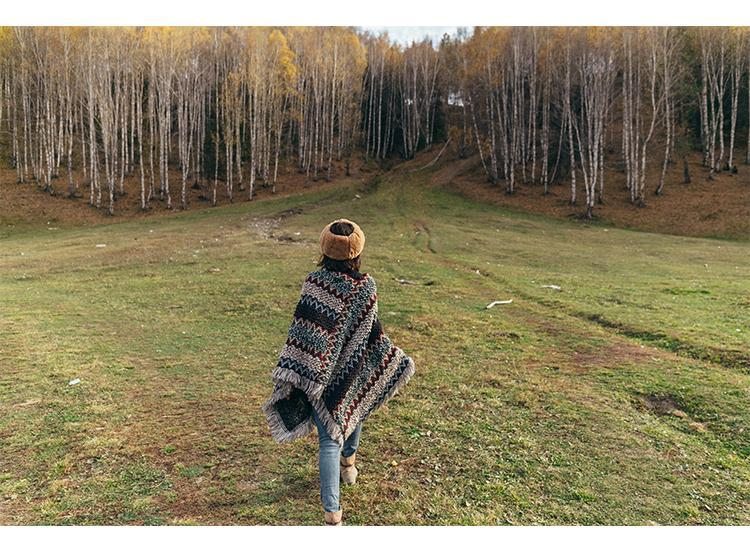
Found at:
(405, 34)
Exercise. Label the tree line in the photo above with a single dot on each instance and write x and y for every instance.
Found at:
(557, 104)
(226, 106)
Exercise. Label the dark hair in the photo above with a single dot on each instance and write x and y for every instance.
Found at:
(349, 266)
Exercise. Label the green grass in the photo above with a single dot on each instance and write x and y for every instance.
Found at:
(549, 410)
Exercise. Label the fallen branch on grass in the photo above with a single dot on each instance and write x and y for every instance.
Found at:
(498, 302)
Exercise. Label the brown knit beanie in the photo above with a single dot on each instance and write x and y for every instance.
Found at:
(342, 247)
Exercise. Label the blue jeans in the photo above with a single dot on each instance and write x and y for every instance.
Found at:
(328, 460)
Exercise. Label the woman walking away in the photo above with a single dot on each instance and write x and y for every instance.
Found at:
(337, 366)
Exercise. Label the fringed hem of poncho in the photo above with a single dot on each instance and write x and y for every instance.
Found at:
(279, 431)
(291, 380)
(312, 390)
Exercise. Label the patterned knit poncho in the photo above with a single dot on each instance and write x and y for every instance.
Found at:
(336, 359)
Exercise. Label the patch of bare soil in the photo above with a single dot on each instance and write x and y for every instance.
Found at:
(662, 405)
(667, 405)
(718, 207)
(586, 357)
(29, 204)
(618, 353)
(267, 228)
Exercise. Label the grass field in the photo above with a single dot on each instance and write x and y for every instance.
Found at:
(622, 398)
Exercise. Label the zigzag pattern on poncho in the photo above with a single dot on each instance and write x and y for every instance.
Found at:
(336, 359)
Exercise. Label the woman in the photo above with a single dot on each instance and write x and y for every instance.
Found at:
(337, 366)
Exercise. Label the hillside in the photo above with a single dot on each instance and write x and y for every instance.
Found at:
(621, 398)
(704, 208)
(28, 205)
(718, 207)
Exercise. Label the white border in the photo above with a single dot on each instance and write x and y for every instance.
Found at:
(579, 543)
(374, 12)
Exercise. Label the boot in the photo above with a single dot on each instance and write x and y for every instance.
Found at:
(348, 470)
(333, 517)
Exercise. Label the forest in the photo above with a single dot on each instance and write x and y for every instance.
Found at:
(82, 108)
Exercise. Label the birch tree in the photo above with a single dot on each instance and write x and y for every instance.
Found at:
(596, 71)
